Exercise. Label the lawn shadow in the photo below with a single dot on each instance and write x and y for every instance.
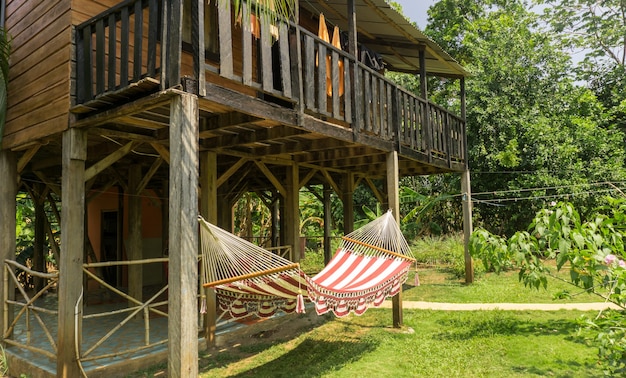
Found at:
(312, 359)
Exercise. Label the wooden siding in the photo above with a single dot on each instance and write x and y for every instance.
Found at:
(39, 81)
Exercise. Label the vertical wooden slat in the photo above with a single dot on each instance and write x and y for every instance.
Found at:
(382, 100)
(395, 118)
(80, 67)
(153, 24)
(309, 72)
(347, 95)
(375, 113)
(197, 42)
(321, 78)
(267, 73)
(367, 99)
(225, 35)
(137, 49)
(358, 98)
(285, 66)
(389, 124)
(112, 52)
(87, 64)
(335, 83)
(246, 36)
(124, 47)
(100, 56)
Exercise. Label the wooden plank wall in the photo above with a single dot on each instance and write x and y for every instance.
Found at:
(39, 81)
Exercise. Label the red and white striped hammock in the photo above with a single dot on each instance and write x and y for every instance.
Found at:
(371, 265)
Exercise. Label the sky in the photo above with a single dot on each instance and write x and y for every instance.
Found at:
(415, 10)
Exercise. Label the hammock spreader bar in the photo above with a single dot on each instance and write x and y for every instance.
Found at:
(252, 275)
(404, 257)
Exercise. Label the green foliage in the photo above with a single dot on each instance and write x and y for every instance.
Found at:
(533, 132)
(592, 249)
(4, 368)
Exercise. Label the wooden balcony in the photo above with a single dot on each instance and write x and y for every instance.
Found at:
(277, 76)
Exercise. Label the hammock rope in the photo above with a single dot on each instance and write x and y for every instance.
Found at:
(371, 265)
(247, 278)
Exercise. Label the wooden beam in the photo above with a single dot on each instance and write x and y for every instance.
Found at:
(121, 134)
(143, 104)
(161, 150)
(183, 238)
(108, 161)
(375, 191)
(72, 247)
(148, 176)
(54, 187)
(8, 205)
(25, 159)
(231, 171)
(270, 176)
(330, 181)
(308, 177)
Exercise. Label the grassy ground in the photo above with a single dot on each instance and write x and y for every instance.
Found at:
(431, 343)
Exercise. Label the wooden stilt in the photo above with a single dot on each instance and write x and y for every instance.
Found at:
(467, 224)
(8, 192)
(208, 210)
(348, 203)
(72, 244)
(135, 240)
(183, 234)
(393, 195)
(292, 212)
(327, 224)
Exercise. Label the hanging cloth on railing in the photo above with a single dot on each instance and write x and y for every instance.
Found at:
(336, 42)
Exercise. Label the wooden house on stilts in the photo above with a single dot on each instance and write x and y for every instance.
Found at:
(127, 119)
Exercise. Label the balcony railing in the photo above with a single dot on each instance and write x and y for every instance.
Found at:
(282, 60)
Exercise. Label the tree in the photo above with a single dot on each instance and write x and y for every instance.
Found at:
(595, 29)
(533, 134)
(5, 50)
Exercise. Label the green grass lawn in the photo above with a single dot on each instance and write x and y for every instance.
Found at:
(437, 285)
(432, 344)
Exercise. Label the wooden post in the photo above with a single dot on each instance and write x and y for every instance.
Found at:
(393, 195)
(424, 94)
(183, 234)
(467, 224)
(171, 47)
(292, 212)
(135, 241)
(8, 192)
(348, 203)
(40, 235)
(72, 244)
(352, 31)
(208, 209)
(327, 223)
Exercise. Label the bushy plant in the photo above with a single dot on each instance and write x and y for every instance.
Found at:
(593, 250)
